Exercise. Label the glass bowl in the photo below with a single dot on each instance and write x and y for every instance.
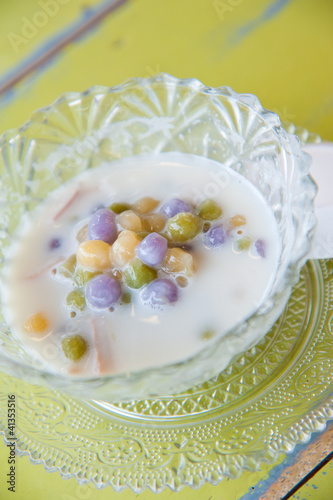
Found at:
(79, 131)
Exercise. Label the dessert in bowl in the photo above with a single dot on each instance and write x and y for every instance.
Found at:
(151, 233)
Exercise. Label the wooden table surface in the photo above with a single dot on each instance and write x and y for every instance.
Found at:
(279, 50)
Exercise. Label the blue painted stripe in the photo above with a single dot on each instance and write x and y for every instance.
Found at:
(263, 485)
(271, 11)
(52, 42)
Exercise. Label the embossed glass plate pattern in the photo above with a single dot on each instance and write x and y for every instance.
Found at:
(274, 397)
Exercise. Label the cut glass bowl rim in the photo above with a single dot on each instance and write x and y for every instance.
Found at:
(249, 100)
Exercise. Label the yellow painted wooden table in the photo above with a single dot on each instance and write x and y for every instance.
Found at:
(279, 50)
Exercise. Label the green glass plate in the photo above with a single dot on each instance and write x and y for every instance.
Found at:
(274, 397)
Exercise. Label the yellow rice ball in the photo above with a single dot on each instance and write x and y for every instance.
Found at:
(153, 223)
(237, 221)
(123, 249)
(94, 255)
(178, 261)
(145, 205)
(37, 323)
(130, 220)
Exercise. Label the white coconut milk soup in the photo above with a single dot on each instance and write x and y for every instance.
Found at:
(132, 265)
